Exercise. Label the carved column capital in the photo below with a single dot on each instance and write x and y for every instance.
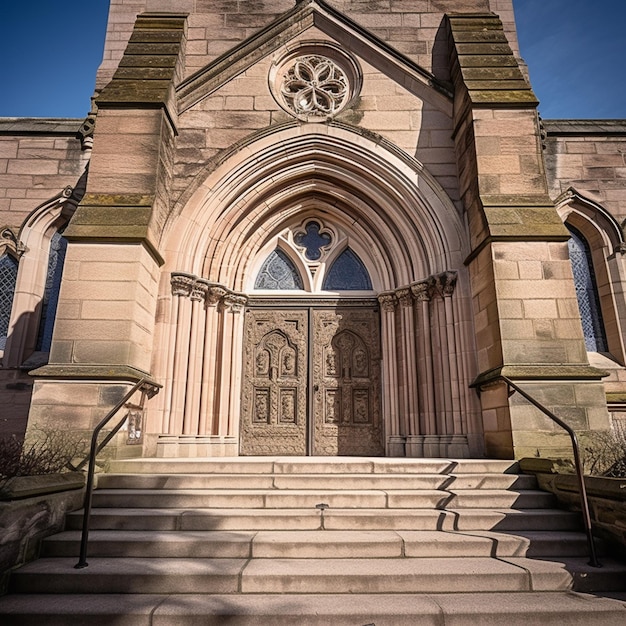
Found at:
(423, 290)
(388, 301)
(446, 282)
(182, 284)
(404, 296)
(235, 302)
(199, 290)
(215, 293)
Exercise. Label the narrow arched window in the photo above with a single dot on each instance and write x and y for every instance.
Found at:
(56, 259)
(278, 272)
(586, 292)
(347, 273)
(8, 276)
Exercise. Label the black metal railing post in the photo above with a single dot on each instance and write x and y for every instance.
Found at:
(147, 388)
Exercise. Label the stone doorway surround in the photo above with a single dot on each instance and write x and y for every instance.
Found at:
(408, 235)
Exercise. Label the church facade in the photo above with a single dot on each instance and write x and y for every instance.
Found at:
(318, 228)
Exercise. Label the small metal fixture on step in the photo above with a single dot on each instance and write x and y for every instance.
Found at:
(322, 507)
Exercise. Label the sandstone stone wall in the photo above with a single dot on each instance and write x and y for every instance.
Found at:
(216, 26)
(38, 159)
(590, 156)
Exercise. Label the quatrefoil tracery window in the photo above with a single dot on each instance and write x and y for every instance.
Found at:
(322, 253)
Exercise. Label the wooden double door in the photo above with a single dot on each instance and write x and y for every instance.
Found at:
(311, 382)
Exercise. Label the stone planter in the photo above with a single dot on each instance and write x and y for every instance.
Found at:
(31, 508)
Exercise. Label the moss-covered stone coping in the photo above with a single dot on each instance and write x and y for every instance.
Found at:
(93, 372)
(123, 218)
(539, 373)
(20, 487)
(484, 63)
(145, 74)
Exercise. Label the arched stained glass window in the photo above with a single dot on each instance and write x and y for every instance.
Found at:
(8, 276)
(586, 292)
(347, 273)
(56, 258)
(278, 272)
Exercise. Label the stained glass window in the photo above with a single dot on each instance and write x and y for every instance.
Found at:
(56, 258)
(278, 272)
(312, 241)
(347, 273)
(8, 276)
(586, 292)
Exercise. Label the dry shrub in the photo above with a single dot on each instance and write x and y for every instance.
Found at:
(604, 453)
(44, 451)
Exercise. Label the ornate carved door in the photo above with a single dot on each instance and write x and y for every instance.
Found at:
(346, 382)
(311, 382)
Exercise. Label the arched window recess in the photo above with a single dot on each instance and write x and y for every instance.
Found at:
(313, 257)
(597, 249)
(39, 277)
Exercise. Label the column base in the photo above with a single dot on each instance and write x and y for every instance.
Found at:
(190, 446)
(396, 446)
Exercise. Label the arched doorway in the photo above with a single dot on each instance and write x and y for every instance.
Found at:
(311, 360)
(249, 290)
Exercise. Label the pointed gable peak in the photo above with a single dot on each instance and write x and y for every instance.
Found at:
(350, 36)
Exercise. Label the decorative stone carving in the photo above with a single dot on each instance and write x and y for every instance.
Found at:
(446, 282)
(388, 301)
(234, 302)
(182, 284)
(199, 290)
(314, 85)
(422, 291)
(215, 293)
(405, 297)
(344, 382)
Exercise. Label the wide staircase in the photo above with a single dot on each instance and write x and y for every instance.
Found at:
(319, 541)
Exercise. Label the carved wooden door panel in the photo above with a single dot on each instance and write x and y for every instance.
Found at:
(346, 382)
(274, 399)
(311, 383)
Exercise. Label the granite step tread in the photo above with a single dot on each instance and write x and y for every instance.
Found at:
(314, 544)
(462, 609)
(280, 575)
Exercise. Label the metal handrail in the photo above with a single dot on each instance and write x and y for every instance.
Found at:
(584, 501)
(148, 389)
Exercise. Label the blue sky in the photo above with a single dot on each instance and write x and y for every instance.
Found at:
(575, 49)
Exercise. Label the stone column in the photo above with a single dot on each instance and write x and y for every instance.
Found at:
(395, 441)
(208, 395)
(408, 385)
(181, 288)
(422, 292)
(191, 425)
(458, 442)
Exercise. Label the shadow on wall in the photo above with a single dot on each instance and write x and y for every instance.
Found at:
(16, 384)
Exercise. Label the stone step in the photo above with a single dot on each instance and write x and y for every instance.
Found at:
(315, 544)
(316, 481)
(500, 498)
(333, 519)
(269, 498)
(310, 465)
(302, 499)
(462, 609)
(282, 575)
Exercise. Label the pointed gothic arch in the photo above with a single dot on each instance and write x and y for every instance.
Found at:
(402, 227)
(604, 237)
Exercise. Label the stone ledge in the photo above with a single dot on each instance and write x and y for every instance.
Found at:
(539, 373)
(20, 487)
(93, 372)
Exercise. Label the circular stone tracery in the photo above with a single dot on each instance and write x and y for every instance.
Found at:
(315, 85)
